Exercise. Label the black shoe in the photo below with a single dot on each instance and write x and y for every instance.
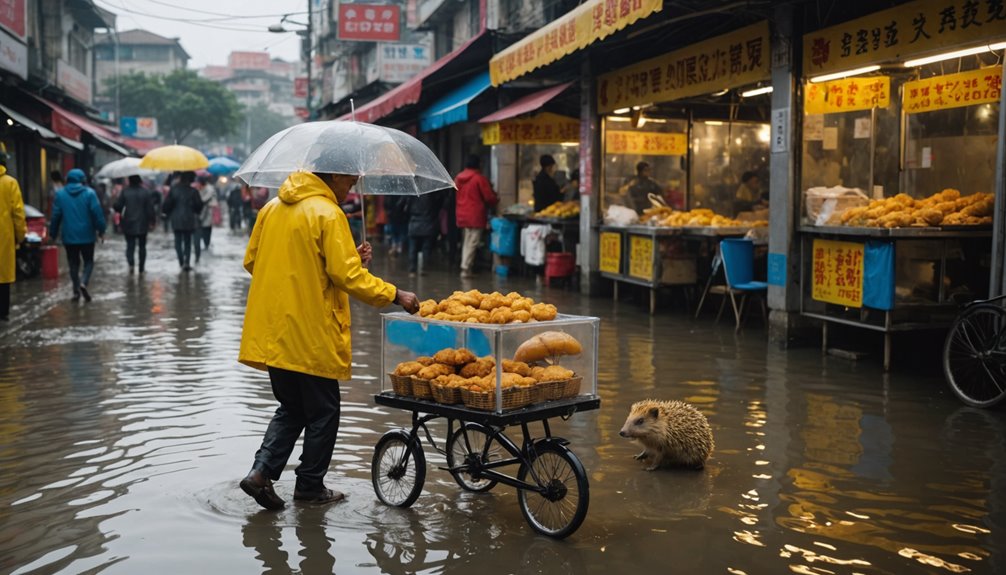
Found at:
(259, 487)
(324, 495)
(187, 269)
(84, 292)
(76, 296)
(131, 270)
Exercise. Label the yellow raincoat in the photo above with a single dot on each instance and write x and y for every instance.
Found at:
(12, 225)
(304, 267)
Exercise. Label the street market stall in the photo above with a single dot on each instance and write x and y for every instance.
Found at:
(473, 360)
(899, 171)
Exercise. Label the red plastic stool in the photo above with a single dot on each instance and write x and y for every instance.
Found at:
(559, 265)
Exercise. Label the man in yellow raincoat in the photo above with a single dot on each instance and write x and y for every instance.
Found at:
(12, 230)
(304, 267)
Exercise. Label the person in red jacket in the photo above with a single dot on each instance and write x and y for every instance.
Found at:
(473, 197)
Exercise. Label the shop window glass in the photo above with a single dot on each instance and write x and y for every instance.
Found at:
(567, 159)
(953, 148)
(667, 171)
(722, 152)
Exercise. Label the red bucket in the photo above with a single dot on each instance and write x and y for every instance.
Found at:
(50, 262)
(560, 264)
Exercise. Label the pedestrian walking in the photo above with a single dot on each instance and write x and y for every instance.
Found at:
(474, 196)
(78, 215)
(12, 231)
(234, 207)
(135, 205)
(208, 195)
(304, 268)
(352, 206)
(56, 183)
(397, 228)
(424, 225)
(182, 207)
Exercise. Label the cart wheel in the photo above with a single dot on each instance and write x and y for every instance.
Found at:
(398, 470)
(466, 445)
(559, 511)
(974, 355)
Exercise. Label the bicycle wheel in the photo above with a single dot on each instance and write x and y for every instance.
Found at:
(398, 470)
(974, 355)
(466, 446)
(559, 511)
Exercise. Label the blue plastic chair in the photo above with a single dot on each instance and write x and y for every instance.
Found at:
(738, 266)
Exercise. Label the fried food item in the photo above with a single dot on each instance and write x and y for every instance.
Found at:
(481, 367)
(547, 344)
(501, 315)
(434, 371)
(929, 216)
(544, 311)
(454, 357)
(475, 307)
(521, 316)
(555, 373)
(536, 371)
(509, 380)
(408, 368)
(518, 367)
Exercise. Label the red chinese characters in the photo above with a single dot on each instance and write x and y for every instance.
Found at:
(370, 22)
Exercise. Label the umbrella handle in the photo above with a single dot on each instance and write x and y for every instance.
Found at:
(363, 217)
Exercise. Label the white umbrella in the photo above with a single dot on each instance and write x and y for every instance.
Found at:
(123, 169)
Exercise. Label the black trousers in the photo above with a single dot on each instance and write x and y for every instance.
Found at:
(75, 253)
(4, 301)
(308, 404)
(131, 243)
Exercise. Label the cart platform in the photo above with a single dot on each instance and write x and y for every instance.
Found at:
(547, 410)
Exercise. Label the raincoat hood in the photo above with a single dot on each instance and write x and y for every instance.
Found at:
(466, 176)
(302, 185)
(75, 176)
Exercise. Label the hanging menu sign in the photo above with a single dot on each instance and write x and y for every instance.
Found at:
(969, 88)
(847, 95)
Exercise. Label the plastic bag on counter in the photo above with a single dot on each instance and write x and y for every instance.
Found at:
(620, 216)
(825, 206)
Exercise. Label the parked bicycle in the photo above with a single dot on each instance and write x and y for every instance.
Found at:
(974, 354)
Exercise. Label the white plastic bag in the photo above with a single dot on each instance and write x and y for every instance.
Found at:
(620, 216)
(821, 204)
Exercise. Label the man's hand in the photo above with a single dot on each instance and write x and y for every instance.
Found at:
(407, 300)
(366, 252)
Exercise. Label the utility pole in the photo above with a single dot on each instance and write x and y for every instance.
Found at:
(310, 55)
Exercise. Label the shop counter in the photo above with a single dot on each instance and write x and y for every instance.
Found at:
(891, 280)
(650, 257)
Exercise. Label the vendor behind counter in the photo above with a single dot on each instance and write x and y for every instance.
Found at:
(546, 189)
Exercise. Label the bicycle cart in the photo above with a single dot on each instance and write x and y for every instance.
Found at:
(974, 353)
(552, 486)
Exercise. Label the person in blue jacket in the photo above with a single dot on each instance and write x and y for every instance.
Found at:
(78, 212)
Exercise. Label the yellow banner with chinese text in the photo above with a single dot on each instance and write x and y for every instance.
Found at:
(735, 59)
(544, 128)
(837, 275)
(847, 95)
(577, 29)
(645, 143)
(641, 257)
(913, 29)
(611, 252)
(969, 88)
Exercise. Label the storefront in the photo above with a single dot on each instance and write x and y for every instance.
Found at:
(688, 129)
(899, 129)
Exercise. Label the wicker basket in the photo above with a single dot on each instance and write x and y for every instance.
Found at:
(535, 394)
(446, 395)
(401, 384)
(551, 390)
(572, 387)
(421, 388)
(513, 398)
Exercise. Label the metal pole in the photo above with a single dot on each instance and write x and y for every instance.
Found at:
(115, 35)
(998, 274)
(310, 40)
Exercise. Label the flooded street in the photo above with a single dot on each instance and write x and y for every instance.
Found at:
(126, 424)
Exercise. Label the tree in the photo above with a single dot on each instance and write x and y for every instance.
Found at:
(182, 102)
(261, 123)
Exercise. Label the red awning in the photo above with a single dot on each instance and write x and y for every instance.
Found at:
(142, 146)
(82, 122)
(406, 93)
(528, 103)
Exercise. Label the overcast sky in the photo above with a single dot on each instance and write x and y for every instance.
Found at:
(211, 29)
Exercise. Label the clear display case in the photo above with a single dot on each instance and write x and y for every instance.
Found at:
(407, 338)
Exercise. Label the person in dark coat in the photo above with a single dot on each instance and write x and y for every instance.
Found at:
(182, 207)
(135, 205)
(397, 228)
(546, 190)
(234, 204)
(77, 214)
(424, 225)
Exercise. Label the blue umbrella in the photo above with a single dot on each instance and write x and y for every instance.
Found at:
(221, 166)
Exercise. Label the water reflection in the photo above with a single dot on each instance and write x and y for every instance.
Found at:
(124, 426)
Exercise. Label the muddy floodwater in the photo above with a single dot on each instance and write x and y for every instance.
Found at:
(126, 424)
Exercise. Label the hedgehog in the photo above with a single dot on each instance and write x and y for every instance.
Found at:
(673, 434)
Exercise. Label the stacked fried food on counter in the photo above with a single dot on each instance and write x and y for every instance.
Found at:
(946, 208)
(461, 369)
(560, 210)
(701, 217)
(477, 307)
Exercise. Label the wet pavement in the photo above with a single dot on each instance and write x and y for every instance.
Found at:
(126, 423)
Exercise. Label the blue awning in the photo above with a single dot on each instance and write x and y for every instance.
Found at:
(453, 107)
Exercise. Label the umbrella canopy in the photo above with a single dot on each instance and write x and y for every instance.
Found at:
(174, 159)
(388, 162)
(221, 166)
(123, 169)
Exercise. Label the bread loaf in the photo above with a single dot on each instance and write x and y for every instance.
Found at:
(547, 344)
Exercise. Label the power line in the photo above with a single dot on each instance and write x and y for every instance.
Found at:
(231, 16)
(122, 6)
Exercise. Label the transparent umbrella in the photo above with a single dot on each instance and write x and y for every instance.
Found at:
(123, 169)
(388, 161)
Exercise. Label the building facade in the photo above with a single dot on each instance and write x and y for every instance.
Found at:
(124, 53)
